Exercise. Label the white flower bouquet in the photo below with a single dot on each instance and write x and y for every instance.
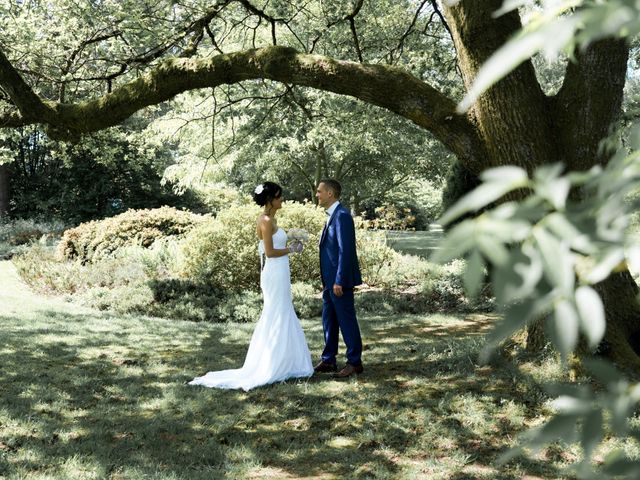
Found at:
(299, 235)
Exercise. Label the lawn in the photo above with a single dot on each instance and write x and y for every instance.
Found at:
(89, 395)
(421, 243)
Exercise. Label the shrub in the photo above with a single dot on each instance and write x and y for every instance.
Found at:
(393, 217)
(307, 300)
(244, 306)
(305, 266)
(381, 266)
(97, 239)
(219, 198)
(15, 233)
(224, 251)
(444, 290)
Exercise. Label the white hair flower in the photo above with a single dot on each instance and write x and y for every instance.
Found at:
(259, 189)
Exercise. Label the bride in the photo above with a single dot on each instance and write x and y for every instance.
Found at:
(278, 348)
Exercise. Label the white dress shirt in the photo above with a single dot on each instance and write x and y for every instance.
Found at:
(331, 209)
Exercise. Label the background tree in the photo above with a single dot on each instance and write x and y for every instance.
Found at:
(310, 136)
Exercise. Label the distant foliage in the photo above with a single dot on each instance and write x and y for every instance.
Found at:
(392, 217)
(96, 239)
(305, 267)
(23, 231)
(17, 235)
(217, 199)
(105, 174)
(412, 206)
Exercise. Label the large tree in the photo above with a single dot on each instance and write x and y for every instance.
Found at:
(514, 122)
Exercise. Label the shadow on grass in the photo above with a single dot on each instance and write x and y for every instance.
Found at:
(106, 394)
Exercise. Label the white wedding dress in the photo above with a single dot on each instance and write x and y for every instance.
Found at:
(278, 348)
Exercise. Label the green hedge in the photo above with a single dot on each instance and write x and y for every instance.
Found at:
(97, 239)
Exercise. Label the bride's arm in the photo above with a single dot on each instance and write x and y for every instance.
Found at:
(267, 231)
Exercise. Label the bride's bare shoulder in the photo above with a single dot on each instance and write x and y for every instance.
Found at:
(264, 223)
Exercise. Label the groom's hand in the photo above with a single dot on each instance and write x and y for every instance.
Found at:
(337, 290)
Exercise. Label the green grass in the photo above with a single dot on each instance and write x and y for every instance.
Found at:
(89, 395)
(420, 243)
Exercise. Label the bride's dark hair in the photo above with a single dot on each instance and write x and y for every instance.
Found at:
(266, 192)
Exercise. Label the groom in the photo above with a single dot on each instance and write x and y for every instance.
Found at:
(340, 274)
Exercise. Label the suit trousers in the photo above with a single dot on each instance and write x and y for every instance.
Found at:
(339, 315)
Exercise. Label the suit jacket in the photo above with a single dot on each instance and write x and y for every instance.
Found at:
(338, 257)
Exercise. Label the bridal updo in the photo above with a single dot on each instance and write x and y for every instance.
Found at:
(266, 192)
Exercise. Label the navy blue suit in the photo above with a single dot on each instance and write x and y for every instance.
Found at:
(339, 265)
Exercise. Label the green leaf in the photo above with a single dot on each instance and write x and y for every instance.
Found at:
(556, 258)
(458, 241)
(611, 259)
(562, 426)
(516, 317)
(480, 197)
(518, 277)
(507, 231)
(604, 371)
(509, 455)
(547, 173)
(592, 432)
(564, 327)
(621, 410)
(573, 405)
(634, 137)
(493, 249)
(506, 174)
(617, 464)
(562, 227)
(555, 192)
(473, 273)
(591, 314)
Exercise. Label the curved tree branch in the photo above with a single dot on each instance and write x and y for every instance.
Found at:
(12, 119)
(384, 86)
(30, 106)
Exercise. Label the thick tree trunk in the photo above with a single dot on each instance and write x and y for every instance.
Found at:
(4, 190)
(512, 117)
(519, 125)
(622, 338)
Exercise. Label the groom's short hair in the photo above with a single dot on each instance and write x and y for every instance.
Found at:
(333, 185)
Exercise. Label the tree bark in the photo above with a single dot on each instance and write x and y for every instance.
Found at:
(4, 190)
(512, 117)
(621, 343)
(521, 126)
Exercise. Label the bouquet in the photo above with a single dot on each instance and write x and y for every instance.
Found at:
(297, 235)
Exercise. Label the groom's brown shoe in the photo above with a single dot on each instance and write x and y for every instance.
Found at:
(325, 368)
(349, 370)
